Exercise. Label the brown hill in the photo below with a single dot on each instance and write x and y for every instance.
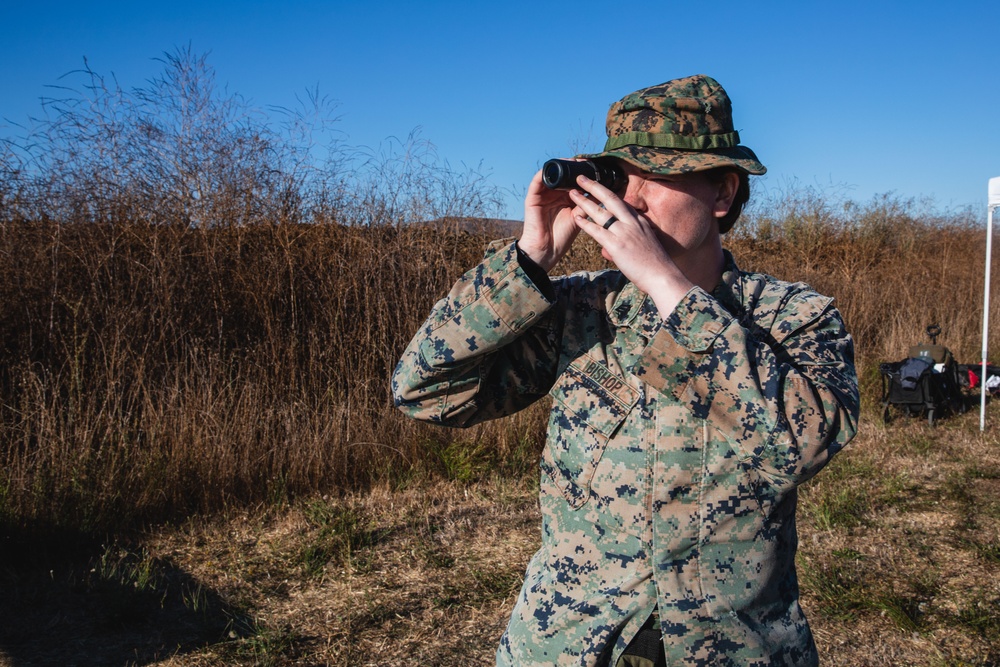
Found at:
(493, 227)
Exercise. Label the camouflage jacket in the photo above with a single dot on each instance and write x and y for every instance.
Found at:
(673, 454)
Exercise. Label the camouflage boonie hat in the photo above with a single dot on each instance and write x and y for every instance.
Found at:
(677, 127)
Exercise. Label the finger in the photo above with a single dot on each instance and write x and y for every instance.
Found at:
(593, 229)
(605, 198)
(590, 207)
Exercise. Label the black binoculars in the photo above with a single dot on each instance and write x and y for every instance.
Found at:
(561, 174)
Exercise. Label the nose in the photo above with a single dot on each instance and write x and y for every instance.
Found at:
(633, 191)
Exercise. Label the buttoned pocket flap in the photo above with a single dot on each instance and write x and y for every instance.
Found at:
(590, 403)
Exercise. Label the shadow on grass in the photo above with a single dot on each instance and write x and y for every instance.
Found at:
(71, 599)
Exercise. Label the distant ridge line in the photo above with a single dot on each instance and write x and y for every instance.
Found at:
(497, 226)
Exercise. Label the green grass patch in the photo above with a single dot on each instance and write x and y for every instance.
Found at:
(436, 557)
(982, 471)
(340, 532)
(840, 585)
(905, 611)
(989, 552)
(473, 460)
(460, 461)
(135, 570)
(957, 488)
(271, 647)
(921, 444)
(496, 584)
(897, 491)
(841, 495)
(479, 586)
(851, 491)
(848, 587)
(980, 614)
(129, 585)
(838, 507)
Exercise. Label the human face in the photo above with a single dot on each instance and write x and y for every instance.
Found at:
(683, 209)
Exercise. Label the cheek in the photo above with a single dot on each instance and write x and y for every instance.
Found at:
(691, 209)
(684, 214)
(705, 197)
(687, 221)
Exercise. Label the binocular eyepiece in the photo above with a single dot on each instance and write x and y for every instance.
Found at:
(561, 174)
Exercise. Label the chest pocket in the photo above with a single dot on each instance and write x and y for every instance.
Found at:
(589, 405)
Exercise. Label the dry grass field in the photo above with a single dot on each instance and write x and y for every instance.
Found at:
(899, 559)
(202, 466)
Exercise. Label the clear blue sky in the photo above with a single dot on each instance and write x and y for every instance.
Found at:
(863, 97)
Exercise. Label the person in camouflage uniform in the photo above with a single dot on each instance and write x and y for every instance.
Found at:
(689, 401)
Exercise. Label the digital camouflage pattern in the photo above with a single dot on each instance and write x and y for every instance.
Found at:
(680, 126)
(673, 455)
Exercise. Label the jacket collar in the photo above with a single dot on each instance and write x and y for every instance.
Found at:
(633, 307)
(729, 291)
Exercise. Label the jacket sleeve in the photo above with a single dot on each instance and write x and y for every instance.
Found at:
(784, 395)
(488, 349)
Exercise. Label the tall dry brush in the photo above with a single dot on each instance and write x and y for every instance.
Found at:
(194, 315)
(152, 371)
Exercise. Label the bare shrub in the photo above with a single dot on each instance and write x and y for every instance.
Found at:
(406, 181)
(177, 150)
(183, 150)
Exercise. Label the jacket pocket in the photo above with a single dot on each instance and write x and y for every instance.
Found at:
(590, 402)
(744, 543)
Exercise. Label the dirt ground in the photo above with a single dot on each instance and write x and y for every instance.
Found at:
(899, 564)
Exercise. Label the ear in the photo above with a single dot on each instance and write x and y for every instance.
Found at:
(726, 193)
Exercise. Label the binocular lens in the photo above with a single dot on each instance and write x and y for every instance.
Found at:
(554, 173)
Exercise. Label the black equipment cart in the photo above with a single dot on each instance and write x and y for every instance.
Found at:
(926, 382)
